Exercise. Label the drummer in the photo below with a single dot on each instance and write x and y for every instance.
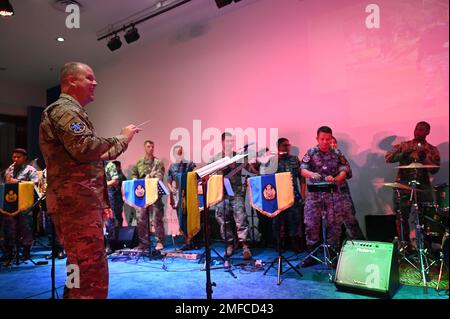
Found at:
(417, 150)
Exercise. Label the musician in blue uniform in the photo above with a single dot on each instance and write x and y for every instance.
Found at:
(324, 168)
(289, 221)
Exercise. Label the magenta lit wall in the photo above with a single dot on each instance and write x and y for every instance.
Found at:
(294, 66)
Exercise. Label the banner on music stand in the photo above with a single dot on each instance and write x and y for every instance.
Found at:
(141, 193)
(16, 197)
(271, 194)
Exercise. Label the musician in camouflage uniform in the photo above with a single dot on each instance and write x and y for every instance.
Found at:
(325, 169)
(230, 213)
(76, 191)
(19, 228)
(114, 178)
(420, 151)
(350, 222)
(150, 167)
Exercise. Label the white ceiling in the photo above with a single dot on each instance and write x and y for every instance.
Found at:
(29, 53)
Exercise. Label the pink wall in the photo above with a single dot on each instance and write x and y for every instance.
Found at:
(292, 65)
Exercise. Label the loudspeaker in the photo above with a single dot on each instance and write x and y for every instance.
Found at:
(368, 267)
(381, 228)
(126, 237)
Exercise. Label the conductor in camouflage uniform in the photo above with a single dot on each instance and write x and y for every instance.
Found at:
(150, 167)
(76, 194)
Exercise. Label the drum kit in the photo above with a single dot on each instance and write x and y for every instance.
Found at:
(431, 223)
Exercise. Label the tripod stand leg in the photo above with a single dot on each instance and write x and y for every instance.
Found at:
(280, 265)
(440, 275)
(270, 266)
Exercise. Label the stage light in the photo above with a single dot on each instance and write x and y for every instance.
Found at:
(114, 43)
(223, 3)
(6, 9)
(131, 35)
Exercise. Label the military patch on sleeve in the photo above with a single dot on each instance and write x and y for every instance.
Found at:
(306, 158)
(77, 127)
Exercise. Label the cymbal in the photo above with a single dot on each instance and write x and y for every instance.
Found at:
(417, 165)
(398, 185)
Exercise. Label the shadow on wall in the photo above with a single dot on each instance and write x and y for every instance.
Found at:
(369, 196)
(441, 176)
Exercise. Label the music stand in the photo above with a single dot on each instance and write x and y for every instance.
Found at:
(153, 253)
(204, 174)
(17, 246)
(279, 260)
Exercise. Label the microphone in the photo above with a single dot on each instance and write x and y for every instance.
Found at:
(421, 153)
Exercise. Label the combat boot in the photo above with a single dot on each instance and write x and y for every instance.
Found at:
(246, 253)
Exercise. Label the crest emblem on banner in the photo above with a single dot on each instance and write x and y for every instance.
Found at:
(139, 191)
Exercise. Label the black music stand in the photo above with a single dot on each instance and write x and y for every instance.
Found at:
(204, 174)
(280, 258)
(152, 253)
(17, 246)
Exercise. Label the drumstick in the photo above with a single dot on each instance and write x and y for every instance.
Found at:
(143, 123)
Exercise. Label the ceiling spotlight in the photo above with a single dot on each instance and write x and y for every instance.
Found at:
(131, 35)
(6, 9)
(60, 39)
(114, 43)
(223, 3)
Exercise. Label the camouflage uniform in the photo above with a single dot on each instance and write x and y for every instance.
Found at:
(153, 169)
(336, 206)
(232, 210)
(19, 229)
(76, 192)
(399, 153)
(115, 192)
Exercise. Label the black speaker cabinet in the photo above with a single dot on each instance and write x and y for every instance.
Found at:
(126, 237)
(369, 268)
(381, 227)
